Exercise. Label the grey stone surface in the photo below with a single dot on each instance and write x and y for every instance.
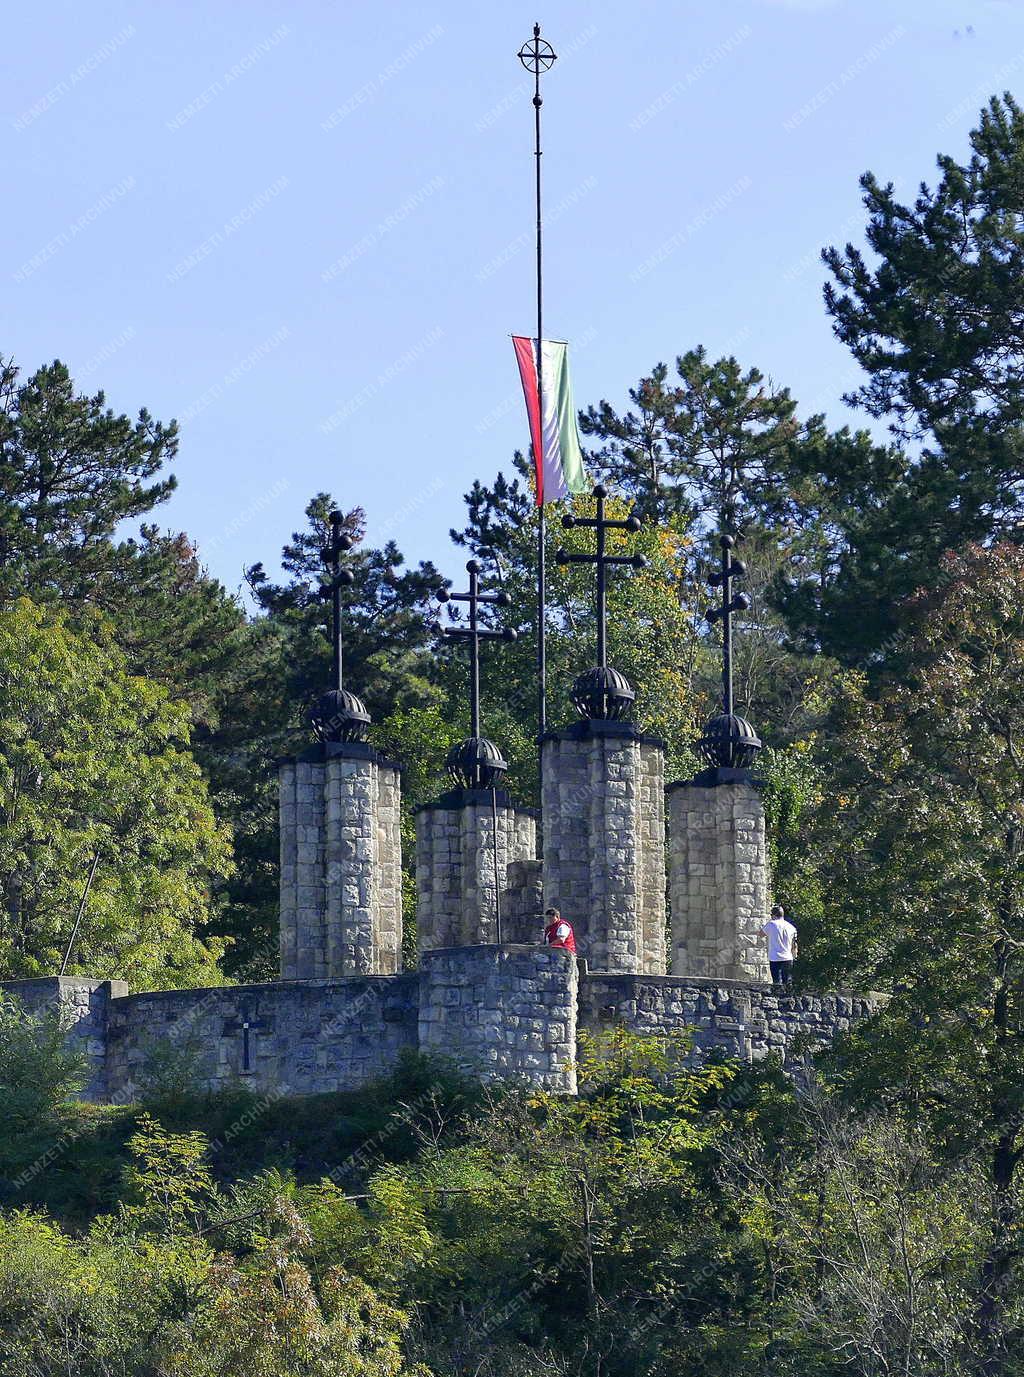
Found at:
(306, 1037)
(718, 881)
(341, 867)
(604, 844)
(83, 1006)
(738, 1018)
(522, 904)
(456, 876)
(502, 1012)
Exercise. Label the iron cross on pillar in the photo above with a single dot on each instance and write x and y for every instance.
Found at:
(602, 692)
(338, 715)
(337, 579)
(739, 602)
(604, 561)
(475, 633)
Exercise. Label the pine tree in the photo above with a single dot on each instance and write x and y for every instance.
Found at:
(707, 448)
(935, 322)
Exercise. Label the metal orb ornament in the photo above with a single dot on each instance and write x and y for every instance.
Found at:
(729, 741)
(476, 763)
(339, 715)
(602, 693)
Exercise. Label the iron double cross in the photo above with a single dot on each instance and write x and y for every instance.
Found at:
(475, 633)
(337, 579)
(602, 525)
(731, 569)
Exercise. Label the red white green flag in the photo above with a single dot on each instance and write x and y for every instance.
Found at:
(559, 460)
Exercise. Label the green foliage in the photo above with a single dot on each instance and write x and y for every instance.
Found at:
(931, 314)
(709, 447)
(866, 1243)
(793, 790)
(39, 1071)
(169, 1186)
(94, 759)
(70, 472)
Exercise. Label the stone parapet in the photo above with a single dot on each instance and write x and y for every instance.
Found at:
(604, 841)
(83, 1006)
(458, 877)
(718, 880)
(305, 1038)
(513, 1011)
(730, 1017)
(502, 1012)
(341, 864)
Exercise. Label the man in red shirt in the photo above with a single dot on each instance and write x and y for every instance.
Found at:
(558, 932)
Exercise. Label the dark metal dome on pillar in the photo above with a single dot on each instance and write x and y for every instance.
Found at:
(340, 716)
(602, 693)
(476, 763)
(729, 741)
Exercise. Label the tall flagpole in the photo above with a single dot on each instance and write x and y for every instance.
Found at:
(538, 56)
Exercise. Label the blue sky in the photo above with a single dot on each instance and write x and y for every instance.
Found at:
(306, 230)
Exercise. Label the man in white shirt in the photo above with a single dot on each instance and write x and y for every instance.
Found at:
(782, 947)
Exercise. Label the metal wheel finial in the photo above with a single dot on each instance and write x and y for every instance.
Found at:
(537, 55)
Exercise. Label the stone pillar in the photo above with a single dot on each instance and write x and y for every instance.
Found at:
(604, 842)
(341, 863)
(718, 879)
(455, 870)
(522, 904)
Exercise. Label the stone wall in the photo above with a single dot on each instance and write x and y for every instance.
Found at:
(509, 1011)
(718, 880)
(504, 1011)
(457, 880)
(734, 1017)
(522, 904)
(341, 864)
(84, 1007)
(604, 842)
(303, 1038)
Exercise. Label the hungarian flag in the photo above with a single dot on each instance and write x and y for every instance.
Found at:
(559, 462)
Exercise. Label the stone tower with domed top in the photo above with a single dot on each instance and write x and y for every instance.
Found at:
(718, 854)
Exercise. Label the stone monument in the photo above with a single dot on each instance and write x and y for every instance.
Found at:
(341, 849)
(718, 856)
(602, 783)
(467, 839)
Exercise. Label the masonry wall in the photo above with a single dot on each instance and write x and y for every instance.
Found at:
(522, 904)
(457, 880)
(84, 1006)
(304, 1039)
(734, 1017)
(502, 1012)
(718, 880)
(604, 842)
(341, 864)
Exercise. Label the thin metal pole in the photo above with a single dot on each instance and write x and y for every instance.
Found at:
(474, 652)
(727, 694)
(542, 657)
(336, 598)
(81, 911)
(602, 586)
